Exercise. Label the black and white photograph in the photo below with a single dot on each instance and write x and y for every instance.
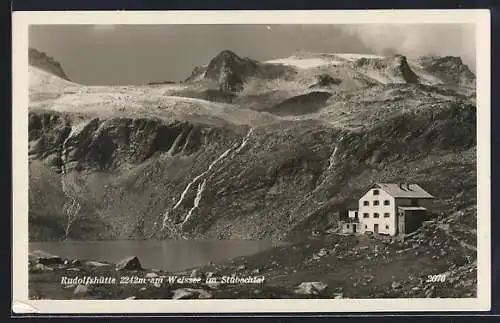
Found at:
(250, 161)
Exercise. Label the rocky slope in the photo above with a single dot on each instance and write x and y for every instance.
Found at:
(291, 144)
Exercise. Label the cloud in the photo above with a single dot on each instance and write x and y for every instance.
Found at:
(418, 40)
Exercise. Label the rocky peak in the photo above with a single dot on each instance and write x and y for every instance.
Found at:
(230, 70)
(227, 56)
(43, 61)
(395, 65)
(401, 68)
(449, 68)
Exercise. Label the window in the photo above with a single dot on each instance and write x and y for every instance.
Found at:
(376, 192)
(386, 202)
(386, 215)
(348, 226)
(366, 227)
(375, 202)
(356, 214)
(365, 203)
(375, 215)
(387, 227)
(365, 215)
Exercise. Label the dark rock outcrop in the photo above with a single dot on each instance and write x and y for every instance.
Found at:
(396, 66)
(44, 258)
(46, 63)
(230, 72)
(106, 144)
(326, 80)
(451, 69)
(129, 263)
(301, 104)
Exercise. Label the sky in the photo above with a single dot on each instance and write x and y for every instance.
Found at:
(137, 54)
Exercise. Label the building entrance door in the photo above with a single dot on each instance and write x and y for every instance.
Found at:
(375, 228)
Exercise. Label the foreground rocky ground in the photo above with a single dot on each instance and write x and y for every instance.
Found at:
(329, 266)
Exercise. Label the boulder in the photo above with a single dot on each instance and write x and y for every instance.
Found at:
(395, 285)
(311, 288)
(96, 264)
(182, 293)
(41, 268)
(68, 286)
(195, 273)
(322, 252)
(129, 263)
(44, 258)
(81, 289)
(76, 262)
(203, 294)
(151, 275)
(190, 293)
(213, 285)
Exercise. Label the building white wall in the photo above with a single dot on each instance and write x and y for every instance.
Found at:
(367, 224)
(352, 214)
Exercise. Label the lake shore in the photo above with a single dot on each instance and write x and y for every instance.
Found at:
(331, 266)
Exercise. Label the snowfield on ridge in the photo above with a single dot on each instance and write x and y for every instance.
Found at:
(50, 92)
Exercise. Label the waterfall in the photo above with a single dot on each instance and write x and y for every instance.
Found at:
(197, 200)
(245, 140)
(334, 153)
(188, 186)
(201, 186)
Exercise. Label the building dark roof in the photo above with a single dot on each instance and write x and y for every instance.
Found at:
(403, 190)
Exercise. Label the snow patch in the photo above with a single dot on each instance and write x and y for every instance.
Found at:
(354, 57)
(304, 63)
(42, 81)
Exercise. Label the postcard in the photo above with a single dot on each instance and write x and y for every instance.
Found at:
(251, 161)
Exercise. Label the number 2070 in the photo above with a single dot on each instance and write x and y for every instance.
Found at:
(440, 278)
